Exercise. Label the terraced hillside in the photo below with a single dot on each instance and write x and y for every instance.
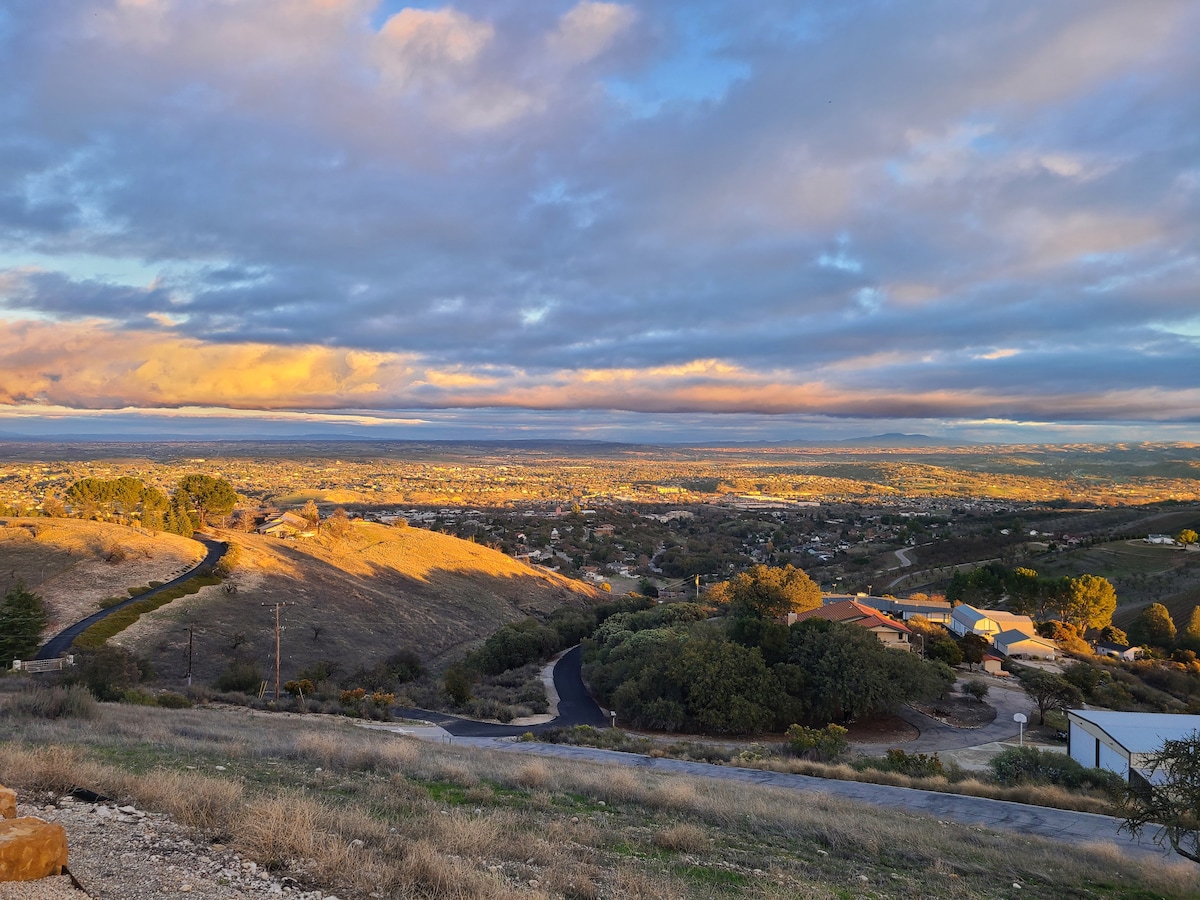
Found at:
(352, 600)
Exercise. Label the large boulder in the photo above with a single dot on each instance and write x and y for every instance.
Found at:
(8, 803)
(31, 848)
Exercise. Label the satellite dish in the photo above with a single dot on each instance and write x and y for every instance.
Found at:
(1020, 717)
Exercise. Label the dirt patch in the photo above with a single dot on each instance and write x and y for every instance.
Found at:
(882, 730)
(959, 712)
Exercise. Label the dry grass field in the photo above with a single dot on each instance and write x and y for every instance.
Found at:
(353, 600)
(75, 564)
(369, 814)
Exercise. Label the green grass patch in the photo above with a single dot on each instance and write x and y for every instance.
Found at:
(98, 634)
(711, 876)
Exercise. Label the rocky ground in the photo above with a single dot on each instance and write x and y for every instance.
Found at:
(123, 853)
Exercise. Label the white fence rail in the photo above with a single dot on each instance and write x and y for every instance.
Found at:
(34, 666)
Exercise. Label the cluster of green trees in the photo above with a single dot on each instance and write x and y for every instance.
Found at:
(1154, 627)
(673, 667)
(1085, 601)
(195, 500)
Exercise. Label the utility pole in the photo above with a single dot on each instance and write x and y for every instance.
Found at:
(278, 607)
(191, 629)
(697, 587)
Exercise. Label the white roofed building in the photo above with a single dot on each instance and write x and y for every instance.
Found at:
(1120, 741)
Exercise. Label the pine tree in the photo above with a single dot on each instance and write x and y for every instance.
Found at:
(22, 618)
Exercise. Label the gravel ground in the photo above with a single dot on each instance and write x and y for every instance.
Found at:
(127, 854)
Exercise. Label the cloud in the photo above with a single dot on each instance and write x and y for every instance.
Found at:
(930, 208)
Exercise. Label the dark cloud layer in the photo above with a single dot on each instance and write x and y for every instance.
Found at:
(951, 210)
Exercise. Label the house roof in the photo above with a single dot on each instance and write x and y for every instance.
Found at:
(854, 613)
(969, 614)
(1139, 732)
(1016, 636)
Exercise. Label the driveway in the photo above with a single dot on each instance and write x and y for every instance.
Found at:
(938, 736)
(61, 642)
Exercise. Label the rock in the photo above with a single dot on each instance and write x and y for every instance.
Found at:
(8, 803)
(30, 849)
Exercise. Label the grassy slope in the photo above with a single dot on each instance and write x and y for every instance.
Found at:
(65, 561)
(447, 822)
(355, 601)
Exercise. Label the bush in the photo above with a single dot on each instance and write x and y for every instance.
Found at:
(240, 675)
(96, 635)
(818, 744)
(975, 688)
(172, 700)
(914, 765)
(108, 672)
(54, 702)
(1029, 765)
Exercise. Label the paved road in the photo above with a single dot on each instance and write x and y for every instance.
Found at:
(575, 707)
(1056, 824)
(61, 642)
(937, 736)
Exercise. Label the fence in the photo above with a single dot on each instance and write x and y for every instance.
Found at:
(35, 666)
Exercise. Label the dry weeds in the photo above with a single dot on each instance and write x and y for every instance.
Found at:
(437, 821)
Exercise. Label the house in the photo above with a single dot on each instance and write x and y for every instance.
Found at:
(284, 525)
(988, 622)
(891, 633)
(1018, 643)
(1160, 539)
(1120, 741)
(1119, 651)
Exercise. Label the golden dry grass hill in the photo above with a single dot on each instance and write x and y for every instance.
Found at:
(353, 600)
(75, 564)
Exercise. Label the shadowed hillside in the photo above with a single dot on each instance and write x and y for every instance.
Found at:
(353, 600)
(74, 564)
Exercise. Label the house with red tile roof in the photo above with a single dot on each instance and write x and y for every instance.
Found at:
(891, 633)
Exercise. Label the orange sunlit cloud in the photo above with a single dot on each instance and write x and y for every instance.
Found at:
(91, 366)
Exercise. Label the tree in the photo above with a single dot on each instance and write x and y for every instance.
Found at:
(22, 618)
(1170, 803)
(973, 647)
(1111, 634)
(770, 592)
(1187, 536)
(208, 496)
(338, 524)
(1153, 627)
(52, 506)
(1024, 588)
(1190, 640)
(310, 514)
(1049, 692)
(1090, 601)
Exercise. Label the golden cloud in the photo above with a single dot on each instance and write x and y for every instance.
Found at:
(94, 366)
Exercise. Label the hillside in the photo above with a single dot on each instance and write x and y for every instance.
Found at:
(352, 601)
(74, 564)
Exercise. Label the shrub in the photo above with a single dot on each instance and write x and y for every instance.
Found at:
(240, 675)
(55, 702)
(172, 700)
(108, 672)
(914, 765)
(975, 688)
(818, 744)
(1029, 765)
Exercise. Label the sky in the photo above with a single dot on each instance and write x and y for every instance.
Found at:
(656, 221)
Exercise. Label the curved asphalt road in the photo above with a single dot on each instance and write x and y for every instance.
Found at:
(575, 707)
(61, 642)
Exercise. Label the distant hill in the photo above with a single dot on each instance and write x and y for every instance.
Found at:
(891, 440)
(353, 601)
(74, 564)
